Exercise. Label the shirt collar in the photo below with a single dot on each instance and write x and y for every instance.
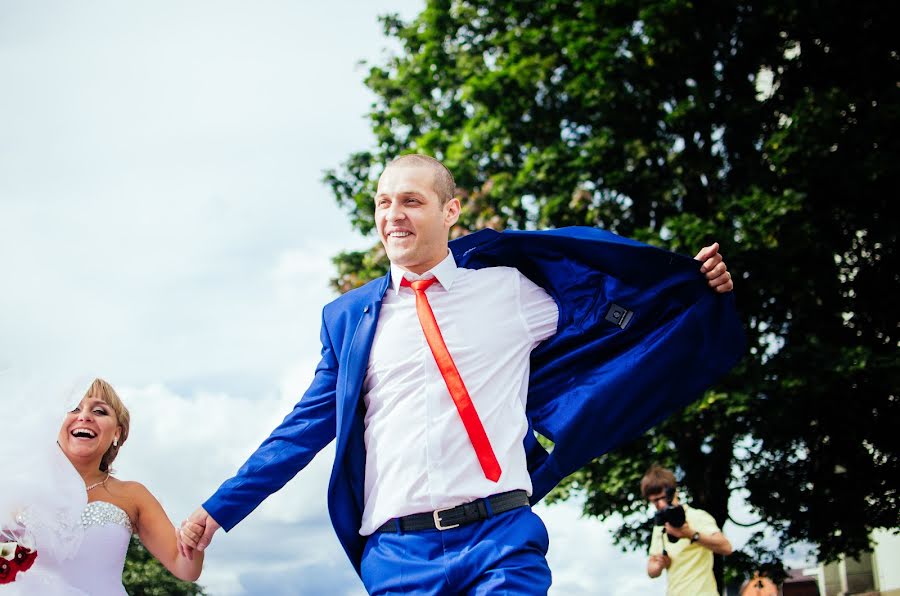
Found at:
(445, 272)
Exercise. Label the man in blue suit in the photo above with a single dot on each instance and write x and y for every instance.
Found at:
(435, 379)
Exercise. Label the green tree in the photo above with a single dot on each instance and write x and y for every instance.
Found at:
(768, 126)
(145, 576)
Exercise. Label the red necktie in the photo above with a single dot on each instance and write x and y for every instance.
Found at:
(454, 382)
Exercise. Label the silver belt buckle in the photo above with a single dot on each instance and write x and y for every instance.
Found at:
(437, 519)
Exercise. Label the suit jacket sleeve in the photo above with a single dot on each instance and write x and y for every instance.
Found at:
(308, 428)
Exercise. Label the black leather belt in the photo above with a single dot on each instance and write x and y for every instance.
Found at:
(451, 517)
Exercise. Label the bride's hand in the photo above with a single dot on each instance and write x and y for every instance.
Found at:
(197, 532)
(188, 537)
(182, 547)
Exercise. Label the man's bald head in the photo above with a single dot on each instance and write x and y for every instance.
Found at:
(444, 185)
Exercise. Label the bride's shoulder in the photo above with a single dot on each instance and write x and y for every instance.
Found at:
(131, 492)
(130, 488)
(135, 498)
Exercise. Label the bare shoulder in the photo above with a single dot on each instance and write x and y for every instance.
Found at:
(142, 505)
(127, 487)
(127, 495)
(131, 491)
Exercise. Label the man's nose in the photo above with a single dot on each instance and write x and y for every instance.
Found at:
(395, 212)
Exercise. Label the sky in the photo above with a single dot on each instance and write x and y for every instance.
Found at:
(164, 225)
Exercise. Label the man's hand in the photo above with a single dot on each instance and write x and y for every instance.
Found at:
(196, 532)
(657, 564)
(713, 266)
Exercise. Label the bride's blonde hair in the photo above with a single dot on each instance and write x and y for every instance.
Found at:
(100, 389)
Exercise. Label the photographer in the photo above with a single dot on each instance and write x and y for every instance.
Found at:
(684, 539)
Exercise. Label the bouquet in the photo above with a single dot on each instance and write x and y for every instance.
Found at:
(14, 559)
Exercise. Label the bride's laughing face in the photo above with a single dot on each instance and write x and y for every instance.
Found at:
(89, 429)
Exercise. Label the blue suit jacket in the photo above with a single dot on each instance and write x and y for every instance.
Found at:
(594, 385)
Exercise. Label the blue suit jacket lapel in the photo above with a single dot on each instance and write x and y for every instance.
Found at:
(354, 358)
(345, 491)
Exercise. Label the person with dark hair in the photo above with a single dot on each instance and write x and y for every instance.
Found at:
(683, 545)
(435, 378)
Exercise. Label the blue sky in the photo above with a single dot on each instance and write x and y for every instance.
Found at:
(163, 225)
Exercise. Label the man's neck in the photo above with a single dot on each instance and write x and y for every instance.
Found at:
(444, 270)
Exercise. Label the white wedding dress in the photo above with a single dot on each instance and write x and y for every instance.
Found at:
(97, 566)
(80, 546)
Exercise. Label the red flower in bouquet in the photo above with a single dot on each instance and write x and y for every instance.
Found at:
(14, 558)
(8, 571)
(25, 557)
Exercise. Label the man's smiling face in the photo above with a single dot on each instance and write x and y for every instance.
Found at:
(412, 223)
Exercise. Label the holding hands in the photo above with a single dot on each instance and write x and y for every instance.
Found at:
(196, 532)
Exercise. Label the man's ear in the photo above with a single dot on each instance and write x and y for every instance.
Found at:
(451, 211)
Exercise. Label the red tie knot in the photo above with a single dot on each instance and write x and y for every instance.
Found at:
(420, 285)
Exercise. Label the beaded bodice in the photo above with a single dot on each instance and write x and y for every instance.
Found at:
(96, 568)
(98, 513)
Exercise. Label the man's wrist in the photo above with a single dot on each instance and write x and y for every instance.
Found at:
(695, 537)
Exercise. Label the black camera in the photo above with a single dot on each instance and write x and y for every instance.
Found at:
(671, 514)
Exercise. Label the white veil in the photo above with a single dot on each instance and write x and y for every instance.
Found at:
(41, 494)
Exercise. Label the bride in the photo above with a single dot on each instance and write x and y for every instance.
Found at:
(81, 527)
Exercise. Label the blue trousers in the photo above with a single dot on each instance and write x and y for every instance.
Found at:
(505, 554)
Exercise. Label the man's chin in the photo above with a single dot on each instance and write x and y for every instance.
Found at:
(401, 258)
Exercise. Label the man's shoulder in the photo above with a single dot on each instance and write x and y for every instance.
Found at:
(548, 249)
(489, 236)
(492, 272)
(497, 278)
(694, 510)
(699, 517)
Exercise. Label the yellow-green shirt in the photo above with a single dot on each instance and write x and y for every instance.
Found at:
(691, 571)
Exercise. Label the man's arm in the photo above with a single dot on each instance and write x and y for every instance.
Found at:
(714, 541)
(659, 559)
(289, 448)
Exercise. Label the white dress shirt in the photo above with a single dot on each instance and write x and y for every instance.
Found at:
(418, 455)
